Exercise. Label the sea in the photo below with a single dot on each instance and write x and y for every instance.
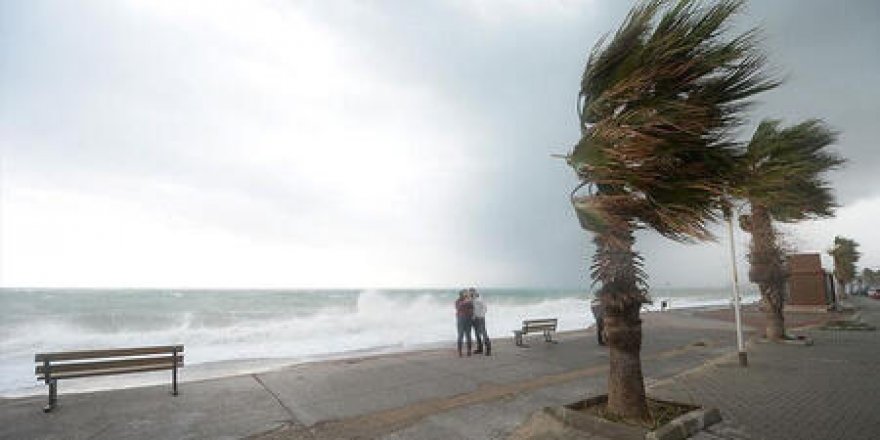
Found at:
(229, 332)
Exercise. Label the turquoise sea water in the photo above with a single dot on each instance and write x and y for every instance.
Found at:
(294, 325)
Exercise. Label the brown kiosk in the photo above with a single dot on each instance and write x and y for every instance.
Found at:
(809, 286)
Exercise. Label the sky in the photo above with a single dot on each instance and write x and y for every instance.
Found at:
(334, 144)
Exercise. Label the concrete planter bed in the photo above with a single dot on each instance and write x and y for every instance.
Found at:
(584, 419)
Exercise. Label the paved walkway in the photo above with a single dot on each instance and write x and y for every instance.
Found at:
(429, 394)
(436, 395)
(825, 391)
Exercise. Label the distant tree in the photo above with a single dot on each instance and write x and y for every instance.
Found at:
(871, 278)
(845, 253)
(781, 178)
(657, 105)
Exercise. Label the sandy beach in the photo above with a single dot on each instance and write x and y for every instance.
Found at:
(400, 395)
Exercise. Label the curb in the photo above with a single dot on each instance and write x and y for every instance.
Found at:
(801, 340)
(687, 425)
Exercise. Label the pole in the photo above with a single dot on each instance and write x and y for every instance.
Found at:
(740, 346)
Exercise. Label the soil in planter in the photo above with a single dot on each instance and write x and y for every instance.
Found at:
(660, 412)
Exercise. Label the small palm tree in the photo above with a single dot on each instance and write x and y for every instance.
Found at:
(845, 253)
(781, 179)
(657, 105)
(871, 278)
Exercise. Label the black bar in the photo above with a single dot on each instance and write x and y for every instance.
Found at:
(174, 371)
(115, 352)
(53, 391)
(51, 383)
(53, 395)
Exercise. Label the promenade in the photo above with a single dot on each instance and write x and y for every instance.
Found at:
(823, 391)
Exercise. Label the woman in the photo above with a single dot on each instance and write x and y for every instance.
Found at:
(464, 316)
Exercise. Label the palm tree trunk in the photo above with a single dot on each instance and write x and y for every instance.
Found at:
(768, 271)
(775, 319)
(626, 384)
(618, 269)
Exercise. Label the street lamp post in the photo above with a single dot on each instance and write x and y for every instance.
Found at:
(740, 345)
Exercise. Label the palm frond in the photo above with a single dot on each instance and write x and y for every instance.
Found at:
(618, 269)
(783, 170)
(845, 253)
(657, 105)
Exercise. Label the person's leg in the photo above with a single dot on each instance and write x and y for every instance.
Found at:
(478, 324)
(600, 330)
(468, 325)
(460, 323)
(486, 341)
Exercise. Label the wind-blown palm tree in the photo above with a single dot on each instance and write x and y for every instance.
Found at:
(845, 253)
(657, 104)
(781, 179)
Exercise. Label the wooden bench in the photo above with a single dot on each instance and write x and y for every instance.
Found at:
(68, 365)
(547, 326)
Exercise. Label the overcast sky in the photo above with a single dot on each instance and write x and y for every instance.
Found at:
(356, 143)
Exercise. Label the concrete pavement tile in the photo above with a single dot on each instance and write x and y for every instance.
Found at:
(227, 408)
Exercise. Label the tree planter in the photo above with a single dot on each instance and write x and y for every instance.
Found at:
(676, 421)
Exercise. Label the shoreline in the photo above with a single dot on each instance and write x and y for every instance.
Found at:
(430, 393)
(230, 368)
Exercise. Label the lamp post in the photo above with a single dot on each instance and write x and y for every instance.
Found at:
(740, 345)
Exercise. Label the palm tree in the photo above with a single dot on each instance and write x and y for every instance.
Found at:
(657, 105)
(845, 253)
(781, 180)
(871, 278)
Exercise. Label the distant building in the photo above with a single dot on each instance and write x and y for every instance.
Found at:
(809, 286)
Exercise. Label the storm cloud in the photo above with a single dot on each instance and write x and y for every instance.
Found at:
(355, 144)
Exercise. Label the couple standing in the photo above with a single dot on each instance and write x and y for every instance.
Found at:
(470, 312)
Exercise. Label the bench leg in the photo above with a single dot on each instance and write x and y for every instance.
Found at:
(548, 336)
(53, 395)
(517, 338)
(174, 374)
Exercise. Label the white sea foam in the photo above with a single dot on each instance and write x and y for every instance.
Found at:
(275, 327)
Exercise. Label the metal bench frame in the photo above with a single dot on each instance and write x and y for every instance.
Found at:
(68, 365)
(547, 326)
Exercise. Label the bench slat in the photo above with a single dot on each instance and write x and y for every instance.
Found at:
(109, 371)
(98, 354)
(532, 325)
(54, 369)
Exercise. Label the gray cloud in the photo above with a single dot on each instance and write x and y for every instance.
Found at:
(164, 111)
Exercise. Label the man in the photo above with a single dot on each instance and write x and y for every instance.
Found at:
(598, 313)
(464, 316)
(480, 323)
